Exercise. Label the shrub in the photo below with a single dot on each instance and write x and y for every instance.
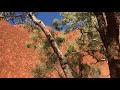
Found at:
(46, 44)
(35, 35)
(71, 47)
(52, 58)
(39, 71)
(95, 72)
(28, 44)
(74, 59)
(39, 46)
(59, 40)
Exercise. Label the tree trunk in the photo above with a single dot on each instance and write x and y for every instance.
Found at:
(102, 27)
(109, 34)
(54, 45)
(113, 44)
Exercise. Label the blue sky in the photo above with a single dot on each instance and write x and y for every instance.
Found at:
(48, 17)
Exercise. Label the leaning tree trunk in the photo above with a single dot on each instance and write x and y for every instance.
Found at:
(54, 45)
(109, 34)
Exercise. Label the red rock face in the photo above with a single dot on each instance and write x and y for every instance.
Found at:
(17, 61)
(98, 55)
(83, 53)
(104, 68)
(88, 60)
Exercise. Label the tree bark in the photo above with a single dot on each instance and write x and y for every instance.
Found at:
(113, 44)
(110, 36)
(102, 27)
(63, 61)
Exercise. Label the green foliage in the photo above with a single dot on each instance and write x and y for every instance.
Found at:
(39, 46)
(90, 35)
(80, 43)
(28, 44)
(71, 47)
(52, 57)
(62, 35)
(59, 40)
(95, 71)
(40, 71)
(29, 24)
(43, 46)
(85, 70)
(57, 24)
(86, 22)
(92, 71)
(35, 35)
(67, 31)
(73, 20)
(35, 42)
(74, 62)
(18, 17)
(46, 44)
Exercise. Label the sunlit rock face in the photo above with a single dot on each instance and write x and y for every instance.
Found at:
(17, 61)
